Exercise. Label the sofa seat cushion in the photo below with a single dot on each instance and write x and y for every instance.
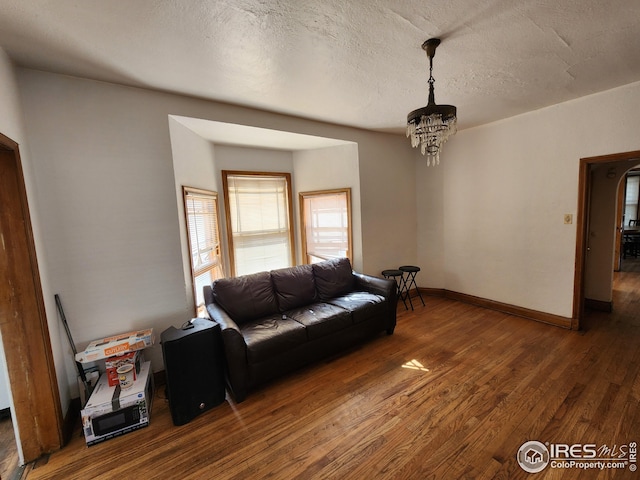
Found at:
(321, 319)
(294, 286)
(246, 298)
(362, 305)
(270, 336)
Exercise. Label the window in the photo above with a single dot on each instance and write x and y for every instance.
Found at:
(259, 211)
(631, 198)
(326, 224)
(201, 212)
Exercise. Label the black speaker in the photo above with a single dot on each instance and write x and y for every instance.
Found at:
(194, 368)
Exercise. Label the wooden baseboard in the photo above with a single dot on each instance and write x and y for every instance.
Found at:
(549, 318)
(433, 292)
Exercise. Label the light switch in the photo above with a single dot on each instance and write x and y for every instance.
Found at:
(568, 218)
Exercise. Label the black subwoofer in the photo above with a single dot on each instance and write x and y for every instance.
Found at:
(194, 368)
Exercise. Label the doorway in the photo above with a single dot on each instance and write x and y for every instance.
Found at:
(37, 413)
(615, 166)
(9, 458)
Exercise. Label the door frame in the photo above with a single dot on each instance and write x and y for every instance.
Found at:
(582, 226)
(620, 197)
(27, 345)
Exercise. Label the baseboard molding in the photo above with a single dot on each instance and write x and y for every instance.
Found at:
(433, 292)
(543, 317)
(598, 305)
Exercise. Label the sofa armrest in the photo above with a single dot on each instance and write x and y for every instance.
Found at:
(380, 286)
(235, 350)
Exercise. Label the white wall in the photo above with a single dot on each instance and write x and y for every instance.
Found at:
(5, 387)
(506, 187)
(193, 166)
(429, 187)
(102, 167)
(326, 169)
(106, 189)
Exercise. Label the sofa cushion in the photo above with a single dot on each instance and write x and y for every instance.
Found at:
(246, 298)
(362, 305)
(321, 319)
(271, 336)
(294, 286)
(333, 277)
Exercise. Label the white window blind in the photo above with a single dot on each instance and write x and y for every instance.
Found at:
(201, 211)
(326, 223)
(258, 208)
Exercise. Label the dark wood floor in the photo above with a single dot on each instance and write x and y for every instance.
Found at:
(452, 394)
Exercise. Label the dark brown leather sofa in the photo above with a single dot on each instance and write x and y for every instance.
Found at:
(274, 322)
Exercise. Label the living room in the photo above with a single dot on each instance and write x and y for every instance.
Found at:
(100, 175)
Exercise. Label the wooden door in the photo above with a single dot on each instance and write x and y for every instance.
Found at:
(23, 322)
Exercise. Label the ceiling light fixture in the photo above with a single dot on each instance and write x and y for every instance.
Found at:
(431, 126)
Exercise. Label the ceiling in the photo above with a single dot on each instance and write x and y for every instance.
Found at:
(355, 62)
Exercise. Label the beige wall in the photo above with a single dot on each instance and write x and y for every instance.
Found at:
(193, 166)
(106, 185)
(102, 185)
(326, 169)
(505, 189)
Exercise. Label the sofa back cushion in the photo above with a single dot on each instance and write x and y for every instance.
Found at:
(333, 277)
(294, 286)
(246, 298)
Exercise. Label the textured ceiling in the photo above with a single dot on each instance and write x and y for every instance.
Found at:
(350, 62)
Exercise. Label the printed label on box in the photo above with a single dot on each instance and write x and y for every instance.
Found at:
(117, 344)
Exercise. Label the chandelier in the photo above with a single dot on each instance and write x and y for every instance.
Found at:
(431, 126)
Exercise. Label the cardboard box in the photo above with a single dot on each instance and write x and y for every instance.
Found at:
(116, 345)
(111, 412)
(112, 363)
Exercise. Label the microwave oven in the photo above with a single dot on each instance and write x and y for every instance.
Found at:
(111, 411)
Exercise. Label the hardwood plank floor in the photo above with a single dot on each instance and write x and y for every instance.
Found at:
(453, 393)
(8, 450)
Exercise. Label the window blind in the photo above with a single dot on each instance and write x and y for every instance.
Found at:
(258, 209)
(326, 225)
(201, 211)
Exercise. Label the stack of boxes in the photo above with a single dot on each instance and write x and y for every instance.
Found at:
(107, 398)
(115, 346)
(113, 363)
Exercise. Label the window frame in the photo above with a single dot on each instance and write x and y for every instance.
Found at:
(219, 265)
(227, 208)
(302, 196)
